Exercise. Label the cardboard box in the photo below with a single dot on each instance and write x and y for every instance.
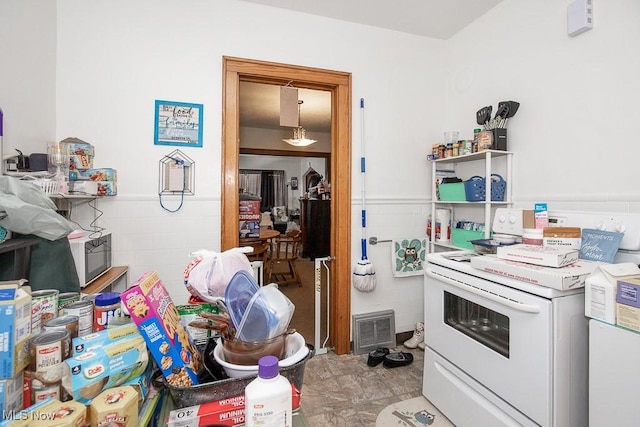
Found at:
(153, 310)
(11, 394)
(60, 414)
(89, 374)
(601, 288)
(561, 278)
(628, 316)
(117, 406)
(539, 255)
(628, 292)
(528, 219)
(15, 329)
(249, 229)
(225, 412)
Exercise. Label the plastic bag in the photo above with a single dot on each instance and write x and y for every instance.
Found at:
(209, 272)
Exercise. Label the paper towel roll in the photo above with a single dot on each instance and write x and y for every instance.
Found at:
(443, 217)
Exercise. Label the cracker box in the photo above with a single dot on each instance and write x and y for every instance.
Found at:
(601, 288)
(224, 412)
(539, 255)
(15, 329)
(11, 395)
(87, 375)
(81, 155)
(561, 278)
(60, 414)
(116, 406)
(153, 310)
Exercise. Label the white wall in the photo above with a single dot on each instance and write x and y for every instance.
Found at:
(115, 58)
(574, 134)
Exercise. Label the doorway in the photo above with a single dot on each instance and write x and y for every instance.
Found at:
(338, 83)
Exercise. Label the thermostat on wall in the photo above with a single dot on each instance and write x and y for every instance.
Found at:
(579, 17)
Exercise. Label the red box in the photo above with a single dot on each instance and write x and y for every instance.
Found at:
(225, 412)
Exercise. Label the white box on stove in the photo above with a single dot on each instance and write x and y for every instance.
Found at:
(600, 290)
(561, 278)
(539, 255)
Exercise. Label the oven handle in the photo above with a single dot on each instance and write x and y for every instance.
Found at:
(527, 308)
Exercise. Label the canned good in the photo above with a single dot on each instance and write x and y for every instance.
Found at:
(69, 322)
(47, 352)
(84, 310)
(44, 306)
(67, 298)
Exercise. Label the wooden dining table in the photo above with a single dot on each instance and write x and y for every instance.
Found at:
(265, 235)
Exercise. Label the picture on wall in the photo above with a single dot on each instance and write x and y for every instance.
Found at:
(178, 123)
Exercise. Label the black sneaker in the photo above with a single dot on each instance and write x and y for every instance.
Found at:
(394, 360)
(377, 356)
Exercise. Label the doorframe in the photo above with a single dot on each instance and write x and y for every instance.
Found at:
(339, 84)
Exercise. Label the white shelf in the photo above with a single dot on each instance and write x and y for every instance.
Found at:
(484, 158)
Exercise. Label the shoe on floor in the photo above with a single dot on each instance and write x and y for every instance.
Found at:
(421, 345)
(377, 356)
(393, 360)
(417, 338)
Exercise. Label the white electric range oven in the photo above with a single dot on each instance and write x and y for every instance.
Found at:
(502, 352)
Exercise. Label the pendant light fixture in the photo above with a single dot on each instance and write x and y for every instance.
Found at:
(299, 133)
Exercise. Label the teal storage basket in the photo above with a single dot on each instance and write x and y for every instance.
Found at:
(452, 192)
(461, 238)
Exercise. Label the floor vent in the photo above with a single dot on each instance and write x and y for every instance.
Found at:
(373, 330)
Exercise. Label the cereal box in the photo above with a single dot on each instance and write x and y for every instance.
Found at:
(15, 329)
(117, 406)
(153, 310)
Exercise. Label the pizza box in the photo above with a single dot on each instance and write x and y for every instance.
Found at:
(561, 278)
(540, 255)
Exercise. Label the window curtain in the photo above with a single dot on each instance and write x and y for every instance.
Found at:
(269, 185)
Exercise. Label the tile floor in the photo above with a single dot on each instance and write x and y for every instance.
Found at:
(342, 391)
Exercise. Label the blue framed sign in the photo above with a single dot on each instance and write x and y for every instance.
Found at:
(178, 123)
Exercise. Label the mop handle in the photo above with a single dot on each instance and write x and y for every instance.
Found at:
(363, 241)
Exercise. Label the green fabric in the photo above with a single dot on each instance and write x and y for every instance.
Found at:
(52, 266)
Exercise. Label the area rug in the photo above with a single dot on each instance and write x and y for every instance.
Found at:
(416, 412)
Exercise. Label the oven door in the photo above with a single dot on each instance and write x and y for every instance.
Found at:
(498, 336)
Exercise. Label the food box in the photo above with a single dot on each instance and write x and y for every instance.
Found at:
(539, 255)
(628, 316)
(15, 329)
(87, 375)
(117, 406)
(60, 414)
(11, 395)
(561, 278)
(628, 292)
(99, 339)
(81, 155)
(153, 310)
(50, 413)
(107, 188)
(601, 288)
(224, 412)
(249, 229)
(98, 174)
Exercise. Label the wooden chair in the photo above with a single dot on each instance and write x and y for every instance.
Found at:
(258, 258)
(284, 249)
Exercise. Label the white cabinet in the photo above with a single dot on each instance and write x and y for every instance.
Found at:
(484, 164)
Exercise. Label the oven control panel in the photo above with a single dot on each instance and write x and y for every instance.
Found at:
(507, 221)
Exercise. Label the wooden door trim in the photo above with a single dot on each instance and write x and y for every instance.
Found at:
(339, 83)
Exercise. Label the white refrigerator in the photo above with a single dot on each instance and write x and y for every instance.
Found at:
(614, 375)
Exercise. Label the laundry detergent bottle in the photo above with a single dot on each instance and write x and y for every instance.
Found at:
(268, 398)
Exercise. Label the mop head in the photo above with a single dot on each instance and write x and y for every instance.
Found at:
(364, 276)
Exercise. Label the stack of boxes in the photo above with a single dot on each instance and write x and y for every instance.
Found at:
(15, 330)
(83, 177)
(249, 214)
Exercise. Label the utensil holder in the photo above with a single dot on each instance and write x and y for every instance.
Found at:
(499, 139)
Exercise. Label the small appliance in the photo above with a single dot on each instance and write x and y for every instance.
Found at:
(92, 256)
